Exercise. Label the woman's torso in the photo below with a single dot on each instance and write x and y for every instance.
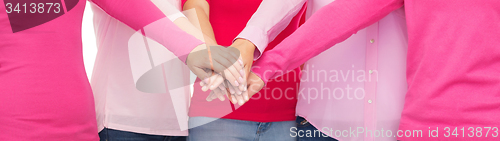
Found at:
(44, 89)
(276, 101)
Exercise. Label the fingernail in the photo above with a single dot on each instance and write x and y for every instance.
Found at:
(234, 100)
(204, 88)
(212, 87)
(236, 83)
(241, 80)
(241, 62)
(241, 102)
(242, 72)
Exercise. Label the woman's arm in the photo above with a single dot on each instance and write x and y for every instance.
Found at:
(272, 17)
(140, 14)
(202, 15)
(330, 25)
(237, 85)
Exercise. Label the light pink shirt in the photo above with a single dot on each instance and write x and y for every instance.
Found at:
(139, 86)
(272, 17)
(333, 94)
(452, 61)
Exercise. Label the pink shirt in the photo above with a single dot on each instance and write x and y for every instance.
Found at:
(45, 93)
(122, 59)
(275, 102)
(375, 102)
(452, 64)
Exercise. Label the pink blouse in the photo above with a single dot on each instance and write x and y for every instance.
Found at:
(340, 76)
(452, 64)
(123, 58)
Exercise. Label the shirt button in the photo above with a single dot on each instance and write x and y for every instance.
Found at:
(370, 71)
(370, 101)
(372, 41)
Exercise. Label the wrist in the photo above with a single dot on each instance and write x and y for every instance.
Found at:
(196, 49)
(243, 43)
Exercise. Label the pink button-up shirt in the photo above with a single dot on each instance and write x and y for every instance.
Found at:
(452, 63)
(340, 77)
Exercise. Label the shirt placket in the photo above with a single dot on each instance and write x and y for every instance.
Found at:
(371, 81)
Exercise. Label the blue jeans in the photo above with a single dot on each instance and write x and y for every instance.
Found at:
(304, 125)
(116, 135)
(213, 129)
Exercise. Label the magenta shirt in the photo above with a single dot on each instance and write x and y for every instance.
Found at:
(44, 91)
(452, 64)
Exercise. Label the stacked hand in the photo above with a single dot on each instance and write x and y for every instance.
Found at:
(238, 92)
(215, 65)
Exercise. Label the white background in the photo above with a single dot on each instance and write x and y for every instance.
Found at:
(89, 41)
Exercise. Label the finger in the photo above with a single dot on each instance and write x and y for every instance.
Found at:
(217, 81)
(206, 82)
(240, 99)
(231, 98)
(231, 88)
(200, 73)
(236, 89)
(223, 92)
(246, 71)
(222, 62)
(245, 95)
(210, 96)
(230, 78)
(235, 71)
(234, 100)
(218, 67)
(217, 93)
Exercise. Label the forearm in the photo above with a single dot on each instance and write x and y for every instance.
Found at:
(139, 14)
(190, 27)
(201, 16)
(332, 24)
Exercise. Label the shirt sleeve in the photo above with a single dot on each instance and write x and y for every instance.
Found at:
(168, 9)
(272, 17)
(141, 13)
(330, 25)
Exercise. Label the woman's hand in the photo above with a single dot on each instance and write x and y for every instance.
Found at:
(247, 50)
(237, 94)
(222, 60)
